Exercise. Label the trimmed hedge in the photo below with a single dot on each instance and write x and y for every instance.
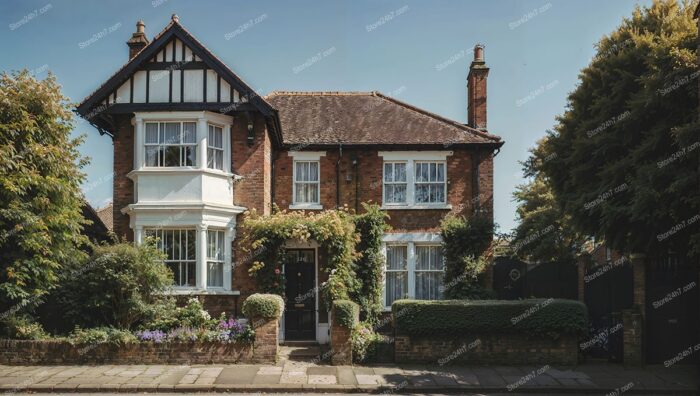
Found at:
(346, 312)
(269, 306)
(459, 317)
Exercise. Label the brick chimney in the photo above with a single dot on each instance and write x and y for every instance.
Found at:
(476, 90)
(138, 40)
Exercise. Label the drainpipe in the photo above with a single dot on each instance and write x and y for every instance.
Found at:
(355, 164)
(273, 168)
(337, 176)
(477, 194)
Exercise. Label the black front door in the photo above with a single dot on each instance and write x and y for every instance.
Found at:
(300, 309)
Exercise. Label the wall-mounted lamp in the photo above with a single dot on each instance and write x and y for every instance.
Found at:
(251, 134)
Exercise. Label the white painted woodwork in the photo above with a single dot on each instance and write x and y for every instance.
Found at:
(140, 87)
(176, 85)
(159, 88)
(124, 93)
(225, 91)
(194, 80)
(211, 86)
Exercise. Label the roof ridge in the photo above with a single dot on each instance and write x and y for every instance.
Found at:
(323, 93)
(438, 117)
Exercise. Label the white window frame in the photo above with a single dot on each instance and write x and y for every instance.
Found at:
(158, 233)
(410, 240)
(416, 270)
(220, 235)
(394, 182)
(162, 145)
(215, 149)
(306, 156)
(407, 271)
(444, 182)
(411, 158)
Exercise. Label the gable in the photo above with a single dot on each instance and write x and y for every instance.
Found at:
(174, 72)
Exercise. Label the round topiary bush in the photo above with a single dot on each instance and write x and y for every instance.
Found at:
(346, 312)
(268, 306)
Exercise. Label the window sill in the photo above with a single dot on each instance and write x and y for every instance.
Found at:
(179, 170)
(306, 207)
(417, 207)
(193, 291)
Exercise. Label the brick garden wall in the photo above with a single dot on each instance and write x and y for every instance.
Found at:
(489, 349)
(20, 352)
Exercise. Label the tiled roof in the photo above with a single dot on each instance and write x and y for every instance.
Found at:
(107, 216)
(325, 118)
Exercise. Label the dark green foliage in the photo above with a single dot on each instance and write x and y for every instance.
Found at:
(371, 226)
(345, 313)
(369, 346)
(101, 335)
(165, 315)
(465, 243)
(117, 286)
(269, 306)
(537, 317)
(21, 327)
(543, 233)
(624, 159)
(40, 202)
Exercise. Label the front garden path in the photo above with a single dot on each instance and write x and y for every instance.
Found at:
(300, 372)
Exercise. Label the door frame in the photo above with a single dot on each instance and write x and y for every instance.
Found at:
(311, 245)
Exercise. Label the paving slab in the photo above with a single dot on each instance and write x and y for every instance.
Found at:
(237, 375)
(322, 379)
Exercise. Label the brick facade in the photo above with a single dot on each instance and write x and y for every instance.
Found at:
(123, 187)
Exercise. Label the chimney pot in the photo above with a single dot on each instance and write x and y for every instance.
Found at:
(175, 18)
(479, 53)
(140, 27)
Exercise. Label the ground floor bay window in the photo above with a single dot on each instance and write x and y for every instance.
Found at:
(414, 267)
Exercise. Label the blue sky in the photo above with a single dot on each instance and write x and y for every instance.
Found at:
(417, 51)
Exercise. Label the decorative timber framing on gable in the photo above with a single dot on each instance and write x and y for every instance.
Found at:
(174, 72)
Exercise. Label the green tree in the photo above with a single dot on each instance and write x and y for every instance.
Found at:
(40, 177)
(543, 233)
(624, 159)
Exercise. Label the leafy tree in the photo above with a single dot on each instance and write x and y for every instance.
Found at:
(624, 159)
(118, 285)
(40, 177)
(370, 225)
(543, 233)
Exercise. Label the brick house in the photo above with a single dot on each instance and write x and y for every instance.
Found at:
(195, 147)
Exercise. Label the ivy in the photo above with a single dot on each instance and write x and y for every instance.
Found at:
(371, 225)
(465, 243)
(334, 230)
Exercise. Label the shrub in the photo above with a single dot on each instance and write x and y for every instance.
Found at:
(370, 225)
(101, 335)
(22, 328)
(538, 317)
(114, 287)
(366, 344)
(346, 312)
(269, 306)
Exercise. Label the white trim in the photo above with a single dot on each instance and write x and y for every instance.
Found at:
(306, 155)
(178, 115)
(190, 291)
(133, 175)
(422, 237)
(415, 155)
(416, 207)
(306, 205)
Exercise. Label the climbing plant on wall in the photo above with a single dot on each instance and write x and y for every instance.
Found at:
(264, 238)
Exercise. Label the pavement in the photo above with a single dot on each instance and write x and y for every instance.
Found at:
(302, 374)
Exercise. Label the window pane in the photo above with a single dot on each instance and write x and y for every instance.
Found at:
(400, 172)
(151, 132)
(396, 286)
(152, 155)
(313, 171)
(396, 258)
(439, 193)
(215, 274)
(423, 257)
(191, 240)
(389, 172)
(190, 132)
(172, 133)
(191, 274)
(312, 193)
(421, 172)
(171, 156)
(428, 285)
(300, 171)
(422, 193)
(440, 173)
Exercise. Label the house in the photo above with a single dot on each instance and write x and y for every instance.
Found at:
(195, 147)
(106, 214)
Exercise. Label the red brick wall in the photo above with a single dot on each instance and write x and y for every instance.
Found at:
(123, 187)
(460, 190)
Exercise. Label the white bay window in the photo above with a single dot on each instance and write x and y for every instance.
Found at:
(171, 144)
(215, 149)
(179, 247)
(215, 258)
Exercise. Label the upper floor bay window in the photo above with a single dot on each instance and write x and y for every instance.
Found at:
(414, 179)
(215, 149)
(171, 144)
(306, 182)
